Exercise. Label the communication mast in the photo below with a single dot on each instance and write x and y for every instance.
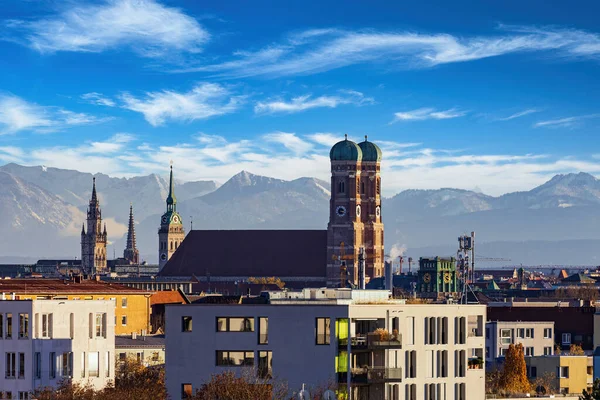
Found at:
(465, 260)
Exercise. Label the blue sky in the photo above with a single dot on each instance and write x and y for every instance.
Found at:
(499, 96)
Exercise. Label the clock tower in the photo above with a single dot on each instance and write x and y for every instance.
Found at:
(171, 232)
(93, 242)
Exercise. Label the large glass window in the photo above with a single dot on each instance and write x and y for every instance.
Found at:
(8, 326)
(107, 364)
(67, 364)
(265, 366)
(23, 326)
(21, 365)
(235, 358)
(547, 333)
(235, 324)
(505, 336)
(186, 324)
(93, 364)
(52, 366)
(38, 365)
(10, 368)
(263, 330)
(46, 325)
(323, 330)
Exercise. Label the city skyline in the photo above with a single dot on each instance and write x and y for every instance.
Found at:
(497, 93)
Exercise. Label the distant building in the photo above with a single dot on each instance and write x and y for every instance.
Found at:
(568, 374)
(148, 350)
(437, 278)
(537, 339)
(131, 253)
(356, 339)
(93, 242)
(171, 232)
(47, 341)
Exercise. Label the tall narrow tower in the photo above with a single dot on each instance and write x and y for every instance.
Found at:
(131, 252)
(93, 242)
(171, 232)
(354, 211)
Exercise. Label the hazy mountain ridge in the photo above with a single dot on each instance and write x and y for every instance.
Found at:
(561, 209)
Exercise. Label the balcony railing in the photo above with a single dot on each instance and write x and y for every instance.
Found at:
(370, 375)
(372, 341)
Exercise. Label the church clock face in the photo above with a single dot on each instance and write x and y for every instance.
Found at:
(378, 211)
(358, 211)
(427, 277)
(447, 277)
(176, 219)
(340, 211)
(163, 256)
(164, 219)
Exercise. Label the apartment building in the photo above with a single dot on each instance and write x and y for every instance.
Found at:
(46, 341)
(355, 341)
(537, 339)
(568, 374)
(149, 350)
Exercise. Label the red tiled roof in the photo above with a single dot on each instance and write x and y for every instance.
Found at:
(59, 286)
(167, 297)
(296, 253)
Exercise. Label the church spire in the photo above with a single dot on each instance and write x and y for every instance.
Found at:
(171, 199)
(131, 230)
(94, 197)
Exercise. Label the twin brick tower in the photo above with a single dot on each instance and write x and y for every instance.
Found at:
(354, 232)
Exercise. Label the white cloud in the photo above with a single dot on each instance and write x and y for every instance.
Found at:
(284, 155)
(17, 115)
(422, 114)
(568, 122)
(302, 103)
(147, 27)
(98, 99)
(322, 50)
(519, 114)
(203, 101)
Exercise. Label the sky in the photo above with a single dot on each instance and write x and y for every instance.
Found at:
(489, 96)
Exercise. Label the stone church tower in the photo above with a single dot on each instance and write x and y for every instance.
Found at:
(354, 212)
(131, 252)
(93, 243)
(171, 232)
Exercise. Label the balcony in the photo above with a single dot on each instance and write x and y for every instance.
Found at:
(373, 341)
(371, 375)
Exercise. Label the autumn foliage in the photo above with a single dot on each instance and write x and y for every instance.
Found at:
(513, 377)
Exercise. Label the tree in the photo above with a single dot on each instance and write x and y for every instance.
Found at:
(593, 394)
(576, 350)
(513, 378)
(545, 384)
(229, 386)
(267, 281)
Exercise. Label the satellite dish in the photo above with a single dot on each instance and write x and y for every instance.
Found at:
(329, 395)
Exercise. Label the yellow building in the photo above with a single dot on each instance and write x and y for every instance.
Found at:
(569, 373)
(132, 306)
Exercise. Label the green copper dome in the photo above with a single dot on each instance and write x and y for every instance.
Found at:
(346, 150)
(370, 151)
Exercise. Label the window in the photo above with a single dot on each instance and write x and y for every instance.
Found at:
(323, 330)
(235, 358)
(72, 325)
(100, 325)
(529, 333)
(410, 330)
(23, 395)
(52, 366)
(529, 352)
(487, 333)
(265, 364)
(122, 357)
(186, 391)
(107, 365)
(505, 336)
(460, 391)
(341, 187)
(520, 333)
(475, 325)
(263, 330)
(124, 320)
(411, 364)
(155, 356)
(460, 328)
(548, 351)
(124, 302)
(411, 392)
(46, 325)
(8, 395)
(460, 357)
(93, 364)
(186, 324)
(23, 326)
(8, 326)
(21, 365)
(235, 324)
(67, 364)
(10, 367)
(503, 352)
(563, 372)
(83, 364)
(37, 359)
(566, 338)
(533, 372)
(547, 333)
(362, 188)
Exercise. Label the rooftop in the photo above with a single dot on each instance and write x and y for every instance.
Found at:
(59, 286)
(123, 342)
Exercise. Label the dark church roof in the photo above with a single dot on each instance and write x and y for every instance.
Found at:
(233, 253)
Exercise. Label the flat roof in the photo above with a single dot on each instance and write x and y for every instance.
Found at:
(59, 286)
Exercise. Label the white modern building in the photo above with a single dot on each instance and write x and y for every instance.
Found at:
(346, 339)
(536, 337)
(44, 341)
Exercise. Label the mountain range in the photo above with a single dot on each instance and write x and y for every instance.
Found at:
(553, 224)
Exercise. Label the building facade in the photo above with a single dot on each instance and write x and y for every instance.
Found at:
(148, 350)
(131, 253)
(437, 277)
(348, 340)
(537, 339)
(46, 341)
(567, 374)
(93, 241)
(355, 220)
(171, 232)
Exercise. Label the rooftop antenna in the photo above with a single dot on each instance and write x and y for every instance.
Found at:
(465, 258)
(191, 223)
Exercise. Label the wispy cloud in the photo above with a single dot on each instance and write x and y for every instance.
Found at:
(567, 122)
(306, 102)
(98, 99)
(147, 27)
(322, 50)
(422, 114)
(519, 114)
(203, 101)
(17, 115)
(288, 155)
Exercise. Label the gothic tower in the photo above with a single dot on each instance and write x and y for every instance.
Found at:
(354, 212)
(93, 243)
(171, 232)
(131, 252)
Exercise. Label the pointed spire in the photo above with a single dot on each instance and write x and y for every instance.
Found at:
(83, 228)
(171, 199)
(105, 229)
(94, 197)
(131, 231)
